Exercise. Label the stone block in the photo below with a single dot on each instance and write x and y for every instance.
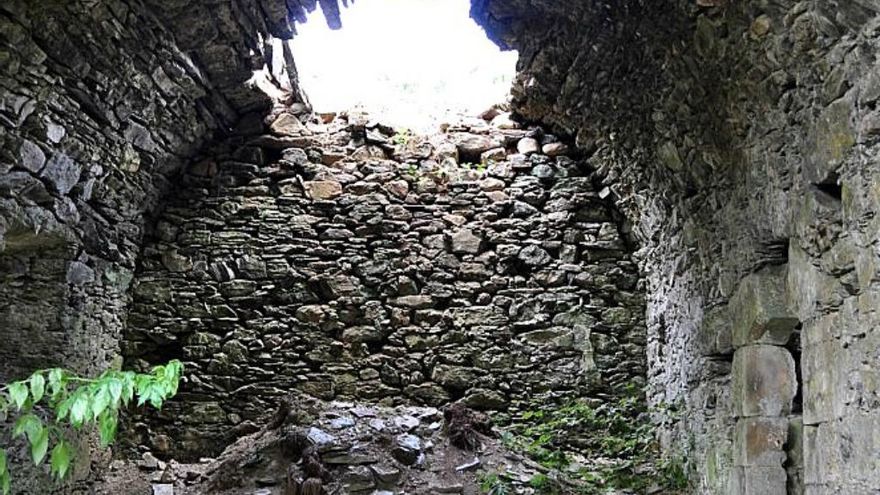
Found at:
(483, 399)
(358, 478)
(760, 442)
(758, 309)
(457, 377)
(794, 448)
(758, 481)
(476, 315)
(527, 146)
(822, 458)
(764, 381)
(363, 333)
(61, 173)
(428, 393)
(808, 287)
(471, 146)
(822, 381)
(31, 157)
(415, 301)
(287, 125)
(464, 241)
(833, 137)
(534, 256)
(322, 189)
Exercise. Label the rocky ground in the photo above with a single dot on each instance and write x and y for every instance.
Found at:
(316, 447)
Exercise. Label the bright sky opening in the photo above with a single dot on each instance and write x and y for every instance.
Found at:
(411, 63)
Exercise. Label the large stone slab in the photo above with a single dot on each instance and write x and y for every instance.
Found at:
(760, 441)
(822, 381)
(758, 481)
(758, 309)
(764, 381)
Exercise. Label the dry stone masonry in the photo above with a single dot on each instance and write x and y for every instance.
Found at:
(331, 260)
(738, 139)
(741, 140)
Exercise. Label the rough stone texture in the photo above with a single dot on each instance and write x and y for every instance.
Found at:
(100, 103)
(736, 136)
(497, 288)
(759, 310)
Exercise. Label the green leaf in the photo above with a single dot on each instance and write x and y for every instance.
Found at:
(142, 383)
(115, 390)
(107, 427)
(18, 394)
(63, 409)
(159, 372)
(100, 402)
(79, 408)
(156, 399)
(56, 382)
(128, 380)
(28, 425)
(177, 370)
(38, 386)
(40, 445)
(6, 483)
(60, 458)
(2, 461)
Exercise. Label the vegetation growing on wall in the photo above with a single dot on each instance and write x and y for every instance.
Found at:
(51, 401)
(609, 446)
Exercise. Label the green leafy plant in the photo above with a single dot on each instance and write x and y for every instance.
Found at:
(673, 473)
(66, 400)
(494, 484)
(618, 432)
(545, 485)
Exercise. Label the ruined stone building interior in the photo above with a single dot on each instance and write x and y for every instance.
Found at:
(651, 267)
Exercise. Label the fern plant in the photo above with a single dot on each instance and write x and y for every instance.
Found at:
(73, 401)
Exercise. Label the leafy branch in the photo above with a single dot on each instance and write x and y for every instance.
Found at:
(77, 402)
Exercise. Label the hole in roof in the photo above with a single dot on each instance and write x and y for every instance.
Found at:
(410, 63)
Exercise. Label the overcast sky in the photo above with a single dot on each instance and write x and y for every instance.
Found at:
(411, 60)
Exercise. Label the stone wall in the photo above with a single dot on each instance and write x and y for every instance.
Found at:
(99, 106)
(740, 139)
(294, 262)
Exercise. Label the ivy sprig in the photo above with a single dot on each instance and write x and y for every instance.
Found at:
(73, 401)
